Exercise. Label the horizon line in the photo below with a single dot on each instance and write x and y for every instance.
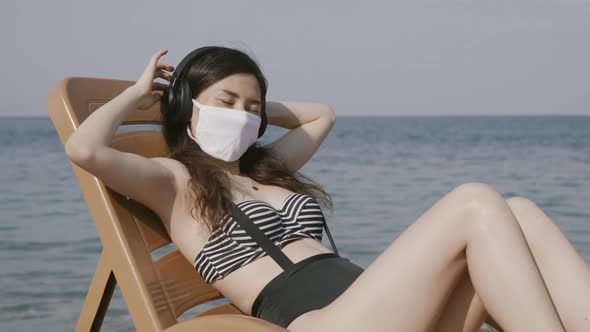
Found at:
(380, 115)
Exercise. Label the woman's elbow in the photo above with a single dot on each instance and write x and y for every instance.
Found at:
(330, 114)
(76, 152)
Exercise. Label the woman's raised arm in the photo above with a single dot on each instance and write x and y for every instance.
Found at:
(149, 181)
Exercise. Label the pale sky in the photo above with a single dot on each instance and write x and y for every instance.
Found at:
(412, 57)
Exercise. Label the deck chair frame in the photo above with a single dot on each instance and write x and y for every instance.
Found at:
(156, 291)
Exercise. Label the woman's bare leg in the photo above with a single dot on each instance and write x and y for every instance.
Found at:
(565, 272)
(463, 312)
(407, 286)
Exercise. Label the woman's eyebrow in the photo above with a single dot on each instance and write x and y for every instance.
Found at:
(233, 94)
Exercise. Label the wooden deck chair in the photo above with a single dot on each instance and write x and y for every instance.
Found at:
(156, 291)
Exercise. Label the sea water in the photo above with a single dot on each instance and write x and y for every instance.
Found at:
(382, 174)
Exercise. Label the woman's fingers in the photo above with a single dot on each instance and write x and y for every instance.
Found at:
(157, 56)
(163, 75)
(154, 70)
(153, 64)
(165, 66)
(157, 86)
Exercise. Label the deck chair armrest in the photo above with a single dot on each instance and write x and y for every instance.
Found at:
(226, 322)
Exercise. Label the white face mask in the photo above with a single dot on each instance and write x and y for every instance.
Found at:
(225, 133)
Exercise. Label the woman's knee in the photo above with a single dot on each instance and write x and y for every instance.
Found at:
(482, 201)
(527, 213)
(519, 203)
(480, 195)
(474, 187)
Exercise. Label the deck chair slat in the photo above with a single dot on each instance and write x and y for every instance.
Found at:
(182, 284)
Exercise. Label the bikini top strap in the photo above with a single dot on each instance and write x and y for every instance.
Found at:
(330, 237)
(264, 241)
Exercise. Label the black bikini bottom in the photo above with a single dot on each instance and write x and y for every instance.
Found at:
(309, 284)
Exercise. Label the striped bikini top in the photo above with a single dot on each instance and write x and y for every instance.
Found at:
(230, 247)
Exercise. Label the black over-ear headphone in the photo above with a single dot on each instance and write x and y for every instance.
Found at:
(178, 92)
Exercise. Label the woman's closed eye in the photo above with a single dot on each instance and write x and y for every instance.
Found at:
(254, 111)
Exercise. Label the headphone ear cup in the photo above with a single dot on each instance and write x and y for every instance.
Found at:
(169, 98)
(184, 98)
(262, 124)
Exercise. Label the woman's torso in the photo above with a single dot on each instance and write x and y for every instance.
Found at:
(242, 285)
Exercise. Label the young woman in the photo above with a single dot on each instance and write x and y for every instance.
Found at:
(471, 254)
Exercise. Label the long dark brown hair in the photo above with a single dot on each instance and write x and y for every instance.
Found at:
(208, 183)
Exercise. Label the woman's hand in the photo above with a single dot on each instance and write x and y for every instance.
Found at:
(145, 85)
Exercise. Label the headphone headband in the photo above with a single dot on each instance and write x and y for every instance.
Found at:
(185, 63)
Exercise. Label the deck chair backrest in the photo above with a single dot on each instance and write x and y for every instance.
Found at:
(157, 291)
